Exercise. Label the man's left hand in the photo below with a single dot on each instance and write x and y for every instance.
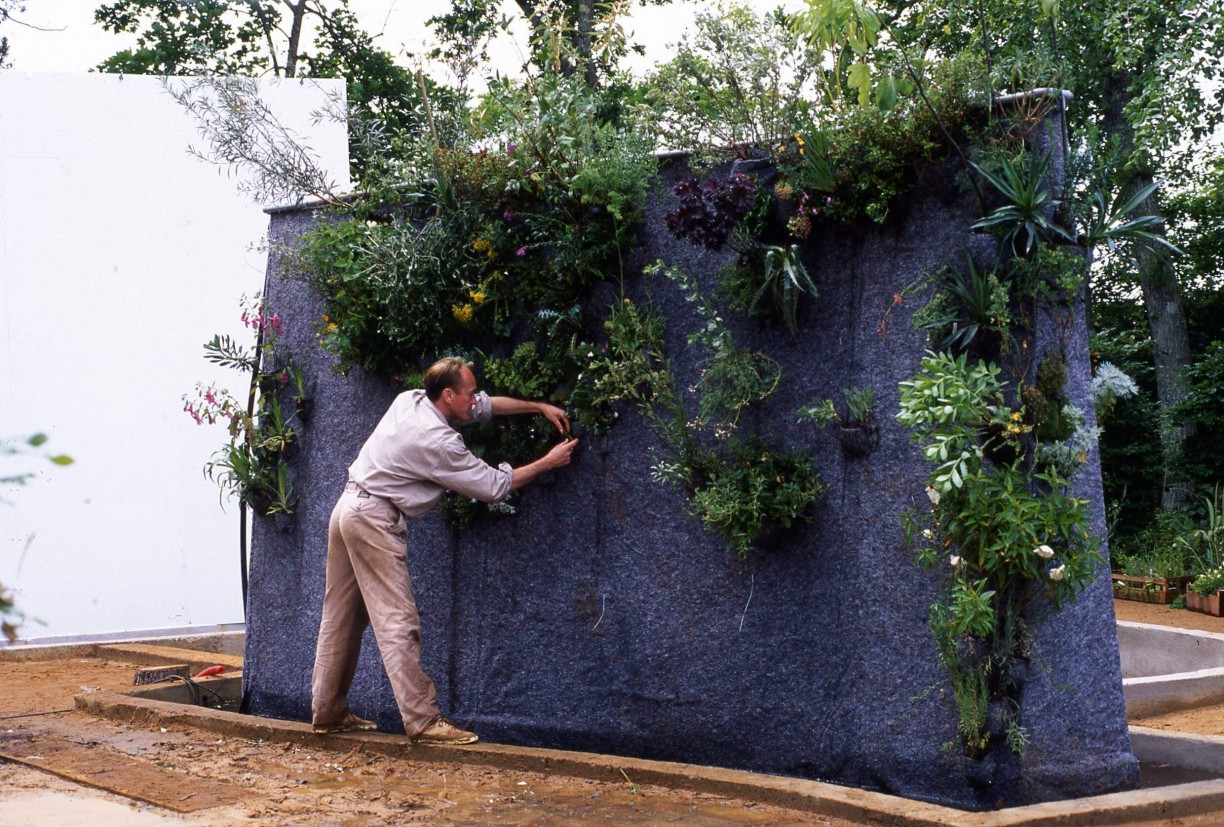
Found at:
(556, 416)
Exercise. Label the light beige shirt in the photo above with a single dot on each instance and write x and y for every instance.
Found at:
(414, 456)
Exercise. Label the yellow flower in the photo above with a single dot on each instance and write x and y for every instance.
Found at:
(462, 314)
(481, 245)
(478, 296)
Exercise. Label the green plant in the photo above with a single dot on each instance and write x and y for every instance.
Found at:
(478, 243)
(1164, 561)
(774, 279)
(253, 466)
(860, 402)
(1209, 582)
(1026, 219)
(1004, 533)
(1204, 547)
(1108, 218)
(853, 162)
(967, 303)
(755, 489)
(1109, 385)
(630, 366)
(735, 84)
(732, 378)
(742, 488)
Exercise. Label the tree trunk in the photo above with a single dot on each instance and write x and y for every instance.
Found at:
(1162, 300)
(586, 20)
(298, 11)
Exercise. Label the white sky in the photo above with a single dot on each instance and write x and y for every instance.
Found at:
(70, 41)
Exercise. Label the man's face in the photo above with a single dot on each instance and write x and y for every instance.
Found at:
(462, 400)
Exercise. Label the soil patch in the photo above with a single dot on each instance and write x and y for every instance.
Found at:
(1136, 612)
(287, 785)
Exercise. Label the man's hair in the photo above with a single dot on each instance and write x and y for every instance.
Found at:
(444, 373)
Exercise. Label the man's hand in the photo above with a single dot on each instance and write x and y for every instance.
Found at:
(508, 406)
(558, 457)
(556, 416)
(561, 454)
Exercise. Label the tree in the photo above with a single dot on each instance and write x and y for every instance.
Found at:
(251, 38)
(566, 36)
(208, 37)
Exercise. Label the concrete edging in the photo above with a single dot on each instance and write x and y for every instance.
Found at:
(1196, 752)
(145, 709)
(1155, 677)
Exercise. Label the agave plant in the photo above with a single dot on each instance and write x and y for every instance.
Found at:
(972, 302)
(1026, 220)
(1110, 218)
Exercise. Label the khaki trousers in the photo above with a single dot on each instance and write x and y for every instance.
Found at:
(368, 584)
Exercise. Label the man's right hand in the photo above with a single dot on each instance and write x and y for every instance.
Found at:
(561, 454)
(557, 457)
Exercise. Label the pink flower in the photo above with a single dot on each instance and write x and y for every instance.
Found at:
(508, 217)
(522, 251)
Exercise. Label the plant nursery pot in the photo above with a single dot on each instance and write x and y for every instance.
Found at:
(1209, 605)
(1163, 590)
(858, 442)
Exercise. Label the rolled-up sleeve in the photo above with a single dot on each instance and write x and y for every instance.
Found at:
(459, 470)
(483, 411)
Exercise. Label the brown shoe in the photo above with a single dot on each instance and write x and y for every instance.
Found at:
(444, 733)
(349, 723)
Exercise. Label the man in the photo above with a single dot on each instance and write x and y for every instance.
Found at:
(413, 457)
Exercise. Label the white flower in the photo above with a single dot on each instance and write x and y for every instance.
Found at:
(1112, 382)
(927, 533)
(955, 560)
(1044, 552)
(1058, 571)
(590, 354)
(933, 495)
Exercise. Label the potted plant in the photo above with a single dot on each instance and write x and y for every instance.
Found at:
(857, 431)
(1204, 593)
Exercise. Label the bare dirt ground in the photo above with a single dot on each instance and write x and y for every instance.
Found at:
(197, 778)
(69, 767)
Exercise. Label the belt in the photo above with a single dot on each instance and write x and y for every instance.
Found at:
(361, 492)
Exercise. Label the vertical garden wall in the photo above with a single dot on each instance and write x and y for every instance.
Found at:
(603, 617)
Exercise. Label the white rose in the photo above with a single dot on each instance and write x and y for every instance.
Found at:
(933, 495)
(928, 534)
(955, 560)
(1044, 552)
(1057, 572)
